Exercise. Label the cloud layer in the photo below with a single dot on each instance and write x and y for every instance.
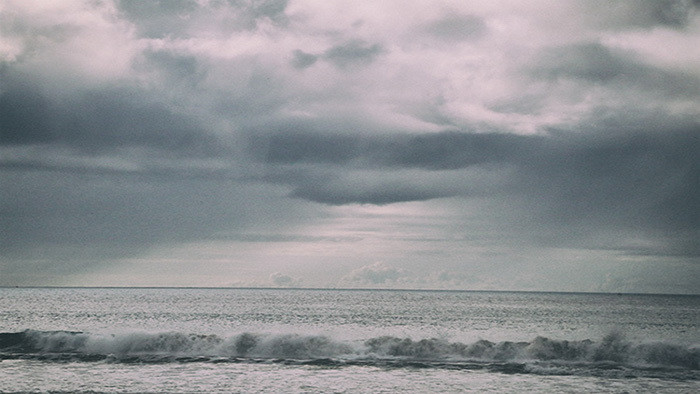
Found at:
(479, 133)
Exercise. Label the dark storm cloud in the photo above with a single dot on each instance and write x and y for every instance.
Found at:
(354, 52)
(433, 151)
(595, 63)
(643, 183)
(299, 146)
(451, 150)
(605, 179)
(66, 222)
(350, 191)
(84, 209)
(97, 120)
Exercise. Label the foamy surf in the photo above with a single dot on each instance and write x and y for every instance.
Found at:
(612, 355)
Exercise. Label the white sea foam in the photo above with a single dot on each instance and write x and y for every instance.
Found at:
(612, 350)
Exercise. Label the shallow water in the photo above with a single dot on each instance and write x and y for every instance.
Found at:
(265, 340)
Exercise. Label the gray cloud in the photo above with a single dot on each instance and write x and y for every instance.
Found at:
(302, 59)
(174, 68)
(160, 18)
(97, 119)
(642, 13)
(456, 27)
(640, 181)
(671, 12)
(299, 147)
(70, 222)
(639, 184)
(83, 209)
(595, 63)
(434, 151)
(590, 61)
(183, 18)
(353, 52)
(354, 191)
(350, 53)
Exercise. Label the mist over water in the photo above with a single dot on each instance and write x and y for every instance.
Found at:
(457, 336)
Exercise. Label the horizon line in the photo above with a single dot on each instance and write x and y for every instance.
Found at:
(341, 289)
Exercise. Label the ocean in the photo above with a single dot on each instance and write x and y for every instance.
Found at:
(129, 340)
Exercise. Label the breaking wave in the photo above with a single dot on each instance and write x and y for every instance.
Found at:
(540, 356)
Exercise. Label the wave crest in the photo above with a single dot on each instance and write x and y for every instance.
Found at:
(138, 346)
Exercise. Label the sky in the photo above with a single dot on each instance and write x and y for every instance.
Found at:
(482, 145)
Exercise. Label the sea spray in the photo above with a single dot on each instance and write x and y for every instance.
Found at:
(612, 348)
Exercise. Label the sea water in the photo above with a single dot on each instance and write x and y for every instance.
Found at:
(345, 341)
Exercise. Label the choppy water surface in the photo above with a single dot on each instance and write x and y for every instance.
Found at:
(263, 340)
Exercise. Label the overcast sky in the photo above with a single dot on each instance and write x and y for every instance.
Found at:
(505, 145)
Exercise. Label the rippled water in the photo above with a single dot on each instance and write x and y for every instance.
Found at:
(264, 340)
